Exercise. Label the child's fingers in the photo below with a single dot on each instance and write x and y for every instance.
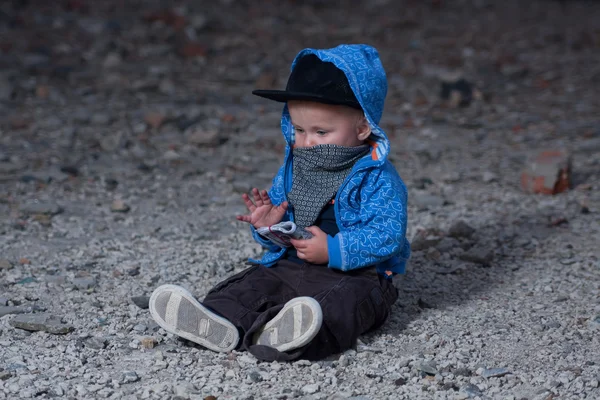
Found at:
(284, 205)
(257, 199)
(249, 204)
(244, 218)
(265, 197)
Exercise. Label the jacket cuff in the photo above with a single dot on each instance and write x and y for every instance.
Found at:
(334, 251)
(262, 241)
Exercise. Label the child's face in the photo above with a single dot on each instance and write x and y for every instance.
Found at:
(317, 123)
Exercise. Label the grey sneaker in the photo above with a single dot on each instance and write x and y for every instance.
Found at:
(176, 311)
(294, 326)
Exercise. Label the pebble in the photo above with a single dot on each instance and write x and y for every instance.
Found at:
(85, 283)
(7, 310)
(460, 229)
(489, 177)
(494, 372)
(141, 301)
(41, 207)
(129, 377)
(310, 389)
(427, 368)
(5, 264)
(41, 322)
(3, 301)
(478, 255)
(101, 119)
(426, 201)
(96, 343)
(119, 206)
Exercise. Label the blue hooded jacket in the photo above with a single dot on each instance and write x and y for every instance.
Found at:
(370, 205)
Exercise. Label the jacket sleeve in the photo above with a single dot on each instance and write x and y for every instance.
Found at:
(277, 195)
(382, 230)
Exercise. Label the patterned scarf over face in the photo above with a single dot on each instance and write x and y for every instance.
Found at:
(318, 173)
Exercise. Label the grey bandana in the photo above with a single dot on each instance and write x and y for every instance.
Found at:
(318, 173)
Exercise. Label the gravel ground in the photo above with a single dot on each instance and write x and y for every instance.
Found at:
(128, 134)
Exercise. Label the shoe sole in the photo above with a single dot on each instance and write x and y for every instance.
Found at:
(198, 333)
(270, 332)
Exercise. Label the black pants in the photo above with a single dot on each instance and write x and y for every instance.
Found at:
(352, 302)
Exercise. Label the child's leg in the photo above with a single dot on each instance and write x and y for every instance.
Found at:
(352, 303)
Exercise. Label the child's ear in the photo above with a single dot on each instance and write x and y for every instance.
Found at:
(363, 128)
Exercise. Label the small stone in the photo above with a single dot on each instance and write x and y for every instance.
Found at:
(40, 322)
(155, 119)
(489, 177)
(101, 119)
(148, 342)
(171, 155)
(255, 376)
(112, 60)
(422, 241)
(5, 264)
(12, 310)
(594, 323)
(460, 229)
(41, 207)
(4, 375)
(84, 283)
(204, 137)
(141, 301)
(310, 389)
(548, 172)
(119, 206)
(96, 343)
(3, 301)
(140, 328)
(425, 201)
(478, 255)
(427, 368)
(494, 372)
(470, 390)
(129, 377)
(463, 372)
(210, 398)
(447, 244)
(400, 382)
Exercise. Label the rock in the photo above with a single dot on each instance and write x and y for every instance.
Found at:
(148, 342)
(457, 92)
(7, 90)
(427, 368)
(425, 201)
(494, 372)
(119, 206)
(460, 229)
(102, 119)
(255, 376)
(7, 310)
(470, 390)
(141, 301)
(155, 119)
(489, 177)
(4, 375)
(594, 323)
(5, 264)
(548, 172)
(183, 390)
(41, 322)
(96, 343)
(205, 137)
(400, 382)
(478, 255)
(3, 301)
(140, 328)
(310, 389)
(447, 244)
(81, 115)
(112, 60)
(41, 207)
(85, 283)
(129, 377)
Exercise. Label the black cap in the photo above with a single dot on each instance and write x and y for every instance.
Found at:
(315, 80)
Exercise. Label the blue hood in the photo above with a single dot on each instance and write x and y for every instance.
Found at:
(366, 76)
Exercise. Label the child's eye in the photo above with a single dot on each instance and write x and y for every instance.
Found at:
(299, 130)
(321, 133)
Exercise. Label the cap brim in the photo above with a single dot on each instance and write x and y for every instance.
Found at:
(284, 96)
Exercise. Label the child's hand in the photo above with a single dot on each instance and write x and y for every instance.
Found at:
(313, 250)
(262, 211)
